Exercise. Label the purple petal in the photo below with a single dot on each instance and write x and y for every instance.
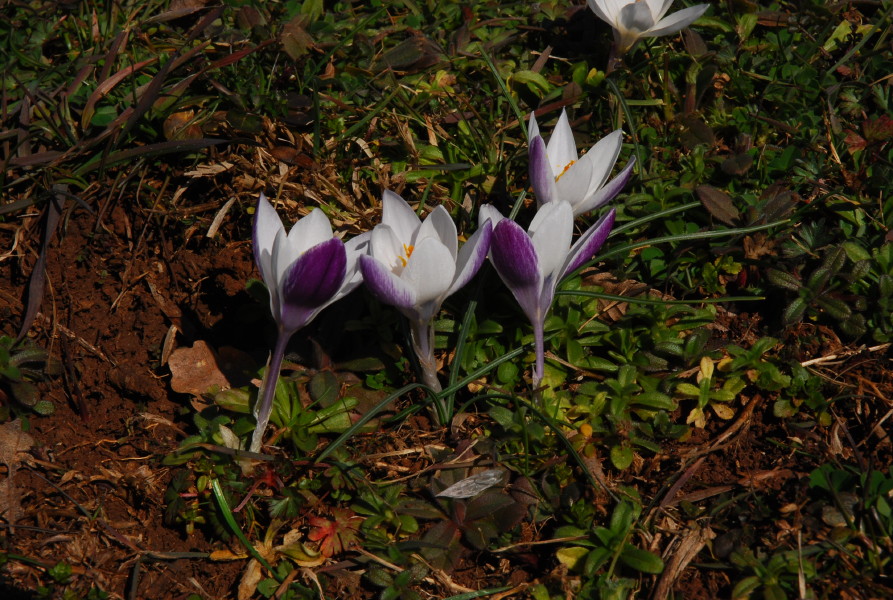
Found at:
(541, 177)
(311, 282)
(471, 256)
(513, 254)
(589, 243)
(515, 260)
(384, 285)
(609, 191)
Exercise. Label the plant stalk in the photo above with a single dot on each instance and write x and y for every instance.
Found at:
(264, 407)
(539, 348)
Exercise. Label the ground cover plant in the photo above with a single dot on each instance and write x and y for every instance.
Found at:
(624, 330)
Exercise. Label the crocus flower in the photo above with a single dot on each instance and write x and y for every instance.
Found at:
(414, 265)
(305, 271)
(637, 19)
(558, 173)
(531, 263)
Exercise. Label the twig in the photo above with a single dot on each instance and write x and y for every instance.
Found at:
(832, 357)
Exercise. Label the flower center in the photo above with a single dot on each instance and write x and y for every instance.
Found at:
(407, 250)
(565, 170)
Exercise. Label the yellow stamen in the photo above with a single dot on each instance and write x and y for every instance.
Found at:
(565, 169)
(408, 250)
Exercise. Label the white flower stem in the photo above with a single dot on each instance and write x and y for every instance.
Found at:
(422, 335)
(264, 406)
(539, 348)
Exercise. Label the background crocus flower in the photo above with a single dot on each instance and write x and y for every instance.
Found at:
(531, 263)
(558, 173)
(305, 271)
(414, 265)
(636, 19)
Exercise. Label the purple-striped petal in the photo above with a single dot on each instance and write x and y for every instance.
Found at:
(513, 254)
(515, 260)
(384, 285)
(471, 256)
(609, 191)
(541, 177)
(589, 243)
(311, 281)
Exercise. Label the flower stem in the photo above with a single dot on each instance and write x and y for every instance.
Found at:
(422, 335)
(264, 407)
(539, 348)
(423, 343)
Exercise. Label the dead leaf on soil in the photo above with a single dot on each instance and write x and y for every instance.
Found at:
(195, 370)
(12, 441)
(614, 310)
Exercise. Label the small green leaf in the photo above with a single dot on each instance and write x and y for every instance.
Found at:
(794, 311)
(783, 279)
(621, 457)
(641, 560)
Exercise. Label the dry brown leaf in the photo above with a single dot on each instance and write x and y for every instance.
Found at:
(195, 370)
(613, 310)
(12, 441)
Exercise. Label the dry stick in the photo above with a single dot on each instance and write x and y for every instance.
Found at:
(832, 357)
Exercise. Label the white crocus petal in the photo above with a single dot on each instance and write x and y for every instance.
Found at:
(678, 20)
(430, 271)
(399, 216)
(488, 212)
(561, 149)
(354, 248)
(280, 257)
(439, 225)
(551, 231)
(574, 185)
(636, 18)
(267, 225)
(309, 231)
(659, 8)
(533, 129)
(388, 249)
(602, 157)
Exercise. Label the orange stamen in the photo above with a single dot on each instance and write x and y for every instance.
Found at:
(408, 250)
(565, 169)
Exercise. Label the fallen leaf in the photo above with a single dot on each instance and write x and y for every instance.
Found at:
(12, 441)
(197, 369)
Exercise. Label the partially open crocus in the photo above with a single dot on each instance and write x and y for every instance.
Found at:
(531, 263)
(415, 265)
(305, 271)
(558, 173)
(636, 19)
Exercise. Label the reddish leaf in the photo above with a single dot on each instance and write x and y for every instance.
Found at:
(334, 536)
